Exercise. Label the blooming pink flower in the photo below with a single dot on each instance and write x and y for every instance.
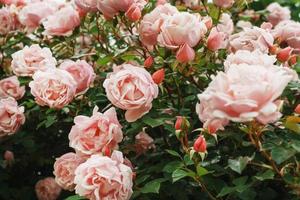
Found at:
(31, 59)
(243, 93)
(185, 54)
(10, 87)
(54, 88)
(87, 5)
(224, 3)
(11, 116)
(278, 13)
(215, 40)
(181, 28)
(150, 25)
(82, 72)
(226, 24)
(97, 133)
(64, 170)
(101, 177)
(8, 20)
(47, 189)
(13, 2)
(132, 89)
(251, 39)
(62, 22)
(143, 142)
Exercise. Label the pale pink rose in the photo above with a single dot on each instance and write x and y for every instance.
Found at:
(225, 24)
(243, 93)
(32, 14)
(8, 20)
(181, 28)
(11, 116)
(193, 4)
(161, 2)
(104, 178)
(289, 32)
(10, 87)
(82, 72)
(216, 40)
(62, 22)
(251, 39)
(143, 142)
(278, 13)
(150, 25)
(87, 5)
(244, 24)
(132, 89)
(31, 59)
(224, 3)
(13, 2)
(54, 88)
(64, 170)
(95, 134)
(47, 189)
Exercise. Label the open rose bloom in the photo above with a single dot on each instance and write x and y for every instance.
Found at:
(10, 87)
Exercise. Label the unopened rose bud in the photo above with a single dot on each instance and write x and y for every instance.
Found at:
(215, 40)
(134, 13)
(178, 123)
(297, 109)
(284, 54)
(9, 157)
(200, 144)
(185, 54)
(158, 76)
(293, 60)
(148, 62)
(273, 49)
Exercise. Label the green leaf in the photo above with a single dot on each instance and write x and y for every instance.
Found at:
(239, 164)
(153, 186)
(280, 154)
(104, 60)
(172, 166)
(153, 122)
(75, 197)
(269, 174)
(225, 191)
(180, 173)
(201, 171)
(173, 153)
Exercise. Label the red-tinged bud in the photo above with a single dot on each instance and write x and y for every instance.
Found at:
(297, 109)
(273, 50)
(107, 151)
(9, 157)
(208, 22)
(134, 13)
(200, 144)
(215, 40)
(148, 62)
(185, 54)
(178, 123)
(293, 60)
(158, 76)
(284, 54)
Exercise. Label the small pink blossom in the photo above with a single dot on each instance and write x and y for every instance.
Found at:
(278, 13)
(10, 87)
(47, 189)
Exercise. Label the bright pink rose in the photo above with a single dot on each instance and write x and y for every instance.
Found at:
(64, 170)
(278, 13)
(55, 88)
(216, 40)
(181, 28)
(288, 31)
(224, 3)
(62, 22)
(47, 189)
(251, 39)
(11, 116)
(150, 25)
(32, 14)
(10, 87)
(82, 72)
(243, 93)
(143, 142)
(31, 59)
(132, 89)
(97, 133)
(104, 178)
(87, 5)
(8, 20)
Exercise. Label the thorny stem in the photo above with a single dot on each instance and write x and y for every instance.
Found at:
(205, 8)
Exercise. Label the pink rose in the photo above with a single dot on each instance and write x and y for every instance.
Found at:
(31, 59)
(143, 142)
(10, 87)
(32, 14)
(251, 39)
(64, 170)
(278, 13)
(216, 40)
(289, 32)
(181, 28)
(226, 24)
(47, 189)
(243, 93)
(13, 2)
(87, 5)
(193, 4)
(55, 88)
(224, 3)
(62, 22)
(101, 177)
(150, 25)
(97, 133)
(11, 116)
(82, 72)
(8, 20)
(132, 89)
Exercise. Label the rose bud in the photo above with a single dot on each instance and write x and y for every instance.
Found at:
(297, 109)
(178, 123)
(293, 60)
(200, 144)
(223, 3)
(148, 62)
(284, 54)
(215, 40)
(273, 49)
(134, 13)
(158, 76)
(185, 54)
(9, 157)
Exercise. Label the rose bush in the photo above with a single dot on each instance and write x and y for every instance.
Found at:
(149, 99)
